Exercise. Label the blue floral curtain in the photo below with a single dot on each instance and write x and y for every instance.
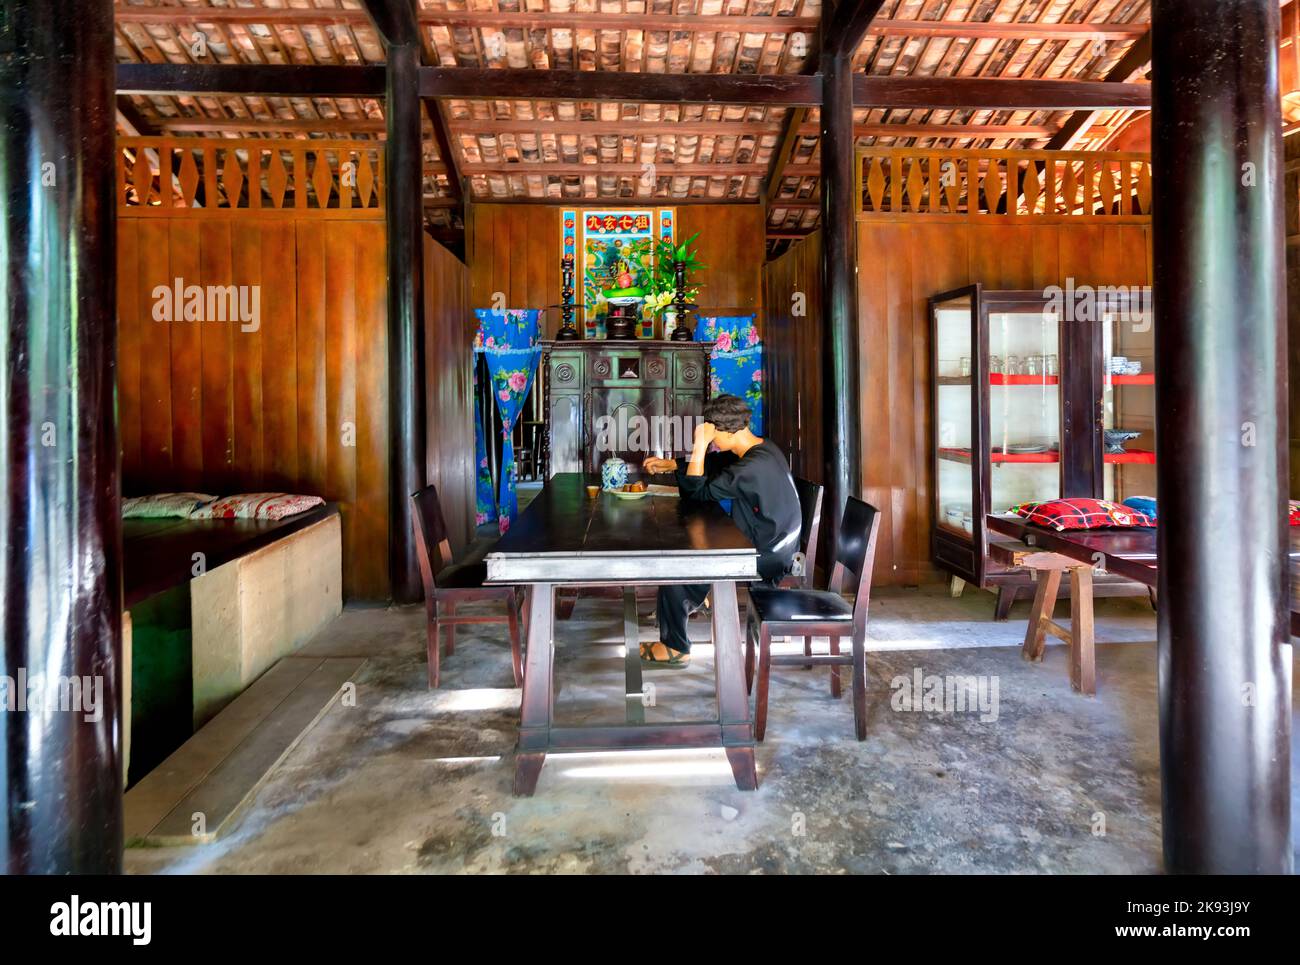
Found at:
(507, 339)
(736, 365)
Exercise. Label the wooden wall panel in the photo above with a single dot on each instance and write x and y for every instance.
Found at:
(449, 327)
(515, 249)
(901, 264)
(207, 406)
(731, 243)
(792, 338)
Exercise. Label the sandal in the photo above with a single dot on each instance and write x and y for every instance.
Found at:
(675, 659)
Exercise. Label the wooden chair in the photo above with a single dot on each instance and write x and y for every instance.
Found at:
(808, 613)
(810, 507)
(453, 583)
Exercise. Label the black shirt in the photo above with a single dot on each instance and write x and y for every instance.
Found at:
(765, 505)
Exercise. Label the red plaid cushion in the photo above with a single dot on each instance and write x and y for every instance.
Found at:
(257, 506)
(1063, 514)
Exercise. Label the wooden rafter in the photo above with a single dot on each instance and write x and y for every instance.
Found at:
(847, 25)
(597, 20)
(1136, 60)
(1001, 93)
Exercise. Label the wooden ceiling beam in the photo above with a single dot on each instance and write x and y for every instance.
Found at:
(446, 150)
(944, 130)
(306, 80)
(1134, 62)
(777, 90)
(980, 93)
(794, 128)
(999, 30)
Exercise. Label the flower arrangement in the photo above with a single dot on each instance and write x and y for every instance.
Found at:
(663, 283)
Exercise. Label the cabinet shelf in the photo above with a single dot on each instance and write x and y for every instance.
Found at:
(963, 456)
(998, 378)
(1147, 379)
(1143, 456)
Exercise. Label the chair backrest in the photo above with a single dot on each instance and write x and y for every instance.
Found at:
(810, 507)
(432, 548)
(855, 554)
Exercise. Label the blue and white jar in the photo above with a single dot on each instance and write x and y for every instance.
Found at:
(613, 473)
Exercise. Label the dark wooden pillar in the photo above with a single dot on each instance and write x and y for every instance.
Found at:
(1225, 701)
(842, 424)
(60, 526)
(405, 208)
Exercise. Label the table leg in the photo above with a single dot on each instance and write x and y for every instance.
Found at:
(1049, 582)
(1083, 667)
(729, 674)
(632, 662)
(537, 705)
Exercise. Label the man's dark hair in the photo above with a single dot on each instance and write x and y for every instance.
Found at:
(730, 413)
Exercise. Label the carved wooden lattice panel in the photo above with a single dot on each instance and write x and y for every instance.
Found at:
(198, 176)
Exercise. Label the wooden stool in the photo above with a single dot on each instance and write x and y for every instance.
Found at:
(1079, 636)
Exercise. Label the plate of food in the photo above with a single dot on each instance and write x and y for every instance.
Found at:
(636, 490)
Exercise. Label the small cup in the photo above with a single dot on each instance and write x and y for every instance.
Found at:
(593, 492)
(965, 366)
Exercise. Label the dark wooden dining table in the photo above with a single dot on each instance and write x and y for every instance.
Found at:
(565, 538)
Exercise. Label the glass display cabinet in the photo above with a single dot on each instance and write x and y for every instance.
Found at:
(1023, 400)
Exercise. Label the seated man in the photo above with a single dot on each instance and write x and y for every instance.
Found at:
(754, 474)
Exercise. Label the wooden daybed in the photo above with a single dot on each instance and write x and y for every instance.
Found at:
(242, 592)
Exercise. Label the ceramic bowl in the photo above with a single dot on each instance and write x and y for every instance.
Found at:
(1115, 439)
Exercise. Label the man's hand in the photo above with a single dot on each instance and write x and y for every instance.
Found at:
(704, 434)
(655, 465)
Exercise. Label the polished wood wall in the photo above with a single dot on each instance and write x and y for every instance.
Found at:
(515, 249)
(792, 355)
(901, 264)
(300, 405)
(449, 326)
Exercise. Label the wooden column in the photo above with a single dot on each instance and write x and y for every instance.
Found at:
(405, 211)
(1224, 654)
(60, 525)
(842, 425)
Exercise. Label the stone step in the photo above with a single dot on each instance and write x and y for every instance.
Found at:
(195, 795)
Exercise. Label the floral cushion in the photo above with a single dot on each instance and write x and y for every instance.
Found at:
(164, 505)
(257, 506)
(1295, 513)
(1065, 514)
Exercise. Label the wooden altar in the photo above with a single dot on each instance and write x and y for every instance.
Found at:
(651, 391)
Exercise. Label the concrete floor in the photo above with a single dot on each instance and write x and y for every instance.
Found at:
(413, 781)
